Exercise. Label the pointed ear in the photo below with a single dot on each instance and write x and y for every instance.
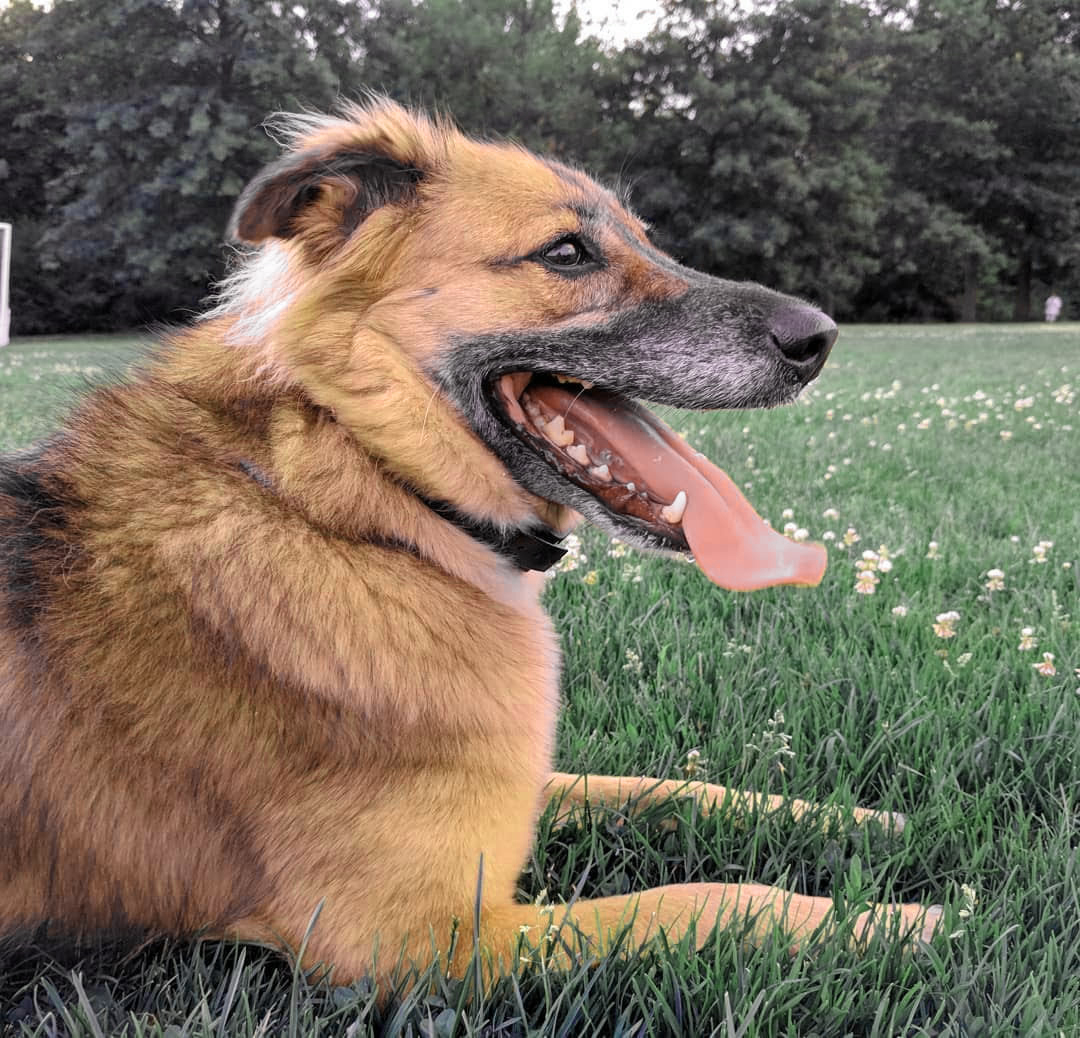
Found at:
(347, 186)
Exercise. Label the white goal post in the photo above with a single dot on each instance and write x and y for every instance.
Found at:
(5, 280)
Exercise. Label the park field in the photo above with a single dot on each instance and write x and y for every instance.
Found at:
(935, 671)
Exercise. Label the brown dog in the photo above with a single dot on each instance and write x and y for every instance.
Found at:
(268, 633)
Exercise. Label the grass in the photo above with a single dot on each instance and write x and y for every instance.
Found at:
(826, 694)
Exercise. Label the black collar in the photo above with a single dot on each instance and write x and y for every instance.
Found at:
(528, 550)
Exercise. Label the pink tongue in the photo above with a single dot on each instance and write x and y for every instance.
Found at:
(732, 544)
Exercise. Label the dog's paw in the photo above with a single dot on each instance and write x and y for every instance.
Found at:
(931, 923)
(914, 925)
(837, 820)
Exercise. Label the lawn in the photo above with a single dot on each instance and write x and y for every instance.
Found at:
(936, 671)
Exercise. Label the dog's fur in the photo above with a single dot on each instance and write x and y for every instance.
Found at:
(262, 643)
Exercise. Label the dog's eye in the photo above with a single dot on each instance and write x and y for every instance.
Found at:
(566, 253)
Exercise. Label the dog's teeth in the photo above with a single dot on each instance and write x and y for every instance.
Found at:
(601, 472)
(579, 454)
(631, 487)
(575, 381)
(556, 431)
(673, 513)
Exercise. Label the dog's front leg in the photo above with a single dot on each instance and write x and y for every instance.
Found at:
(573, 792)
(560, 934)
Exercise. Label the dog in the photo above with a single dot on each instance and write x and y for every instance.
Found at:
(271, 633)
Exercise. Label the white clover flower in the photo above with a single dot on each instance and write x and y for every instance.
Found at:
(574, 556)
(695, 765)
(970, 900)
(866, 582)
(1047, 667)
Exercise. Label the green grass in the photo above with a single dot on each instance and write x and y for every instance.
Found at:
(964, 735)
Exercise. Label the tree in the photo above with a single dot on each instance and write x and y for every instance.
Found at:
(981, 137)
(32, 125)
(753, 128)
(503, 67)
(157, 146)
(1033, 204)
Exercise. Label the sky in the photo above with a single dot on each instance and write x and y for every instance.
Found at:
(616, 22)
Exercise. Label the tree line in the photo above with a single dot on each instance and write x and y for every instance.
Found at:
(910, 160)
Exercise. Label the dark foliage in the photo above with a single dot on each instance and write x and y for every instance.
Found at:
(890, 161)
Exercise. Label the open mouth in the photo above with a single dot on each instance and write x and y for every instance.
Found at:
(575, 427)
(645, 476)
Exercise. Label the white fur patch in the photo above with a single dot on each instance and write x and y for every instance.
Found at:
(256, 294)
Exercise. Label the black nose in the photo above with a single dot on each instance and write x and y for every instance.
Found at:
(803, 335)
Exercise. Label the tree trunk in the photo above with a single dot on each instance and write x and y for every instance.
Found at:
(971, 281)
(1022, 302)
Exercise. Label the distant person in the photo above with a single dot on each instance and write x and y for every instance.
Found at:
(1053, 306)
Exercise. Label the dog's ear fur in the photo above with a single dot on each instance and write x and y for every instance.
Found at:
(354, 185)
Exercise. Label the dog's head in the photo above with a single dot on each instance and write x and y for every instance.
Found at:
(532, 298)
